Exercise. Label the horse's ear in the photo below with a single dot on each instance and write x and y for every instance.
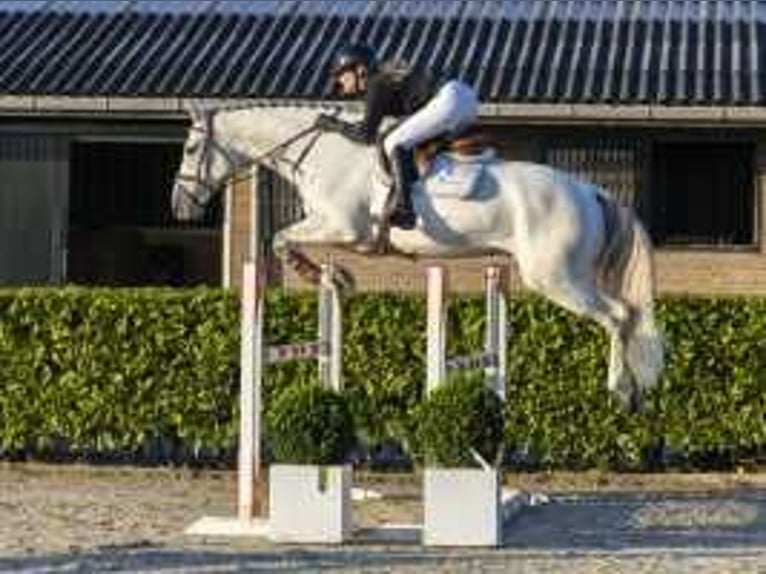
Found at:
(194, 113)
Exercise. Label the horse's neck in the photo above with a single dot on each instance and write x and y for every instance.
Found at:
(333, 164)
(258, 131)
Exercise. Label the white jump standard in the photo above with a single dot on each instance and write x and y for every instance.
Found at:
(462, 507)
(255, 355)
(301, 512)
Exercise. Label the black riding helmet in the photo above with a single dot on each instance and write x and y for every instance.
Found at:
(353, 55)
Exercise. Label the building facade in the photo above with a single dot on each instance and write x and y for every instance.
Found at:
(659, 101)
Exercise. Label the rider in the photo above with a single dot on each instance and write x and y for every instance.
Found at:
(430, 110)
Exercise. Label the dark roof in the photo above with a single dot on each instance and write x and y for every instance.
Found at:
(677, 52)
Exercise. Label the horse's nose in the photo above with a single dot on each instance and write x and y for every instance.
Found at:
(176, 205)
(184, 209)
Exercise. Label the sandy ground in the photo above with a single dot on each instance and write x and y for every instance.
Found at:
(92, 519)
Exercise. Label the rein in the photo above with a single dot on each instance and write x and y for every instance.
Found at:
(270, 153)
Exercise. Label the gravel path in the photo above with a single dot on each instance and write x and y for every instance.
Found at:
(81, 519)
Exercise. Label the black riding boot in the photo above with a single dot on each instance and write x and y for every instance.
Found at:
(405, 174)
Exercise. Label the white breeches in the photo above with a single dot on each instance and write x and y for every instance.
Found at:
(453, 107)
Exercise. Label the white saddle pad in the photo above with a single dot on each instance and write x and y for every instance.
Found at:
(456, 176)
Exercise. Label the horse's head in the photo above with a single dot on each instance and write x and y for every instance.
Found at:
(283, 137)
(207, 162)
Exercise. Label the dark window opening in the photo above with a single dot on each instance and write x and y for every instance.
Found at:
(614, 163)
(703, 193)
(122, 230)
(280, 205)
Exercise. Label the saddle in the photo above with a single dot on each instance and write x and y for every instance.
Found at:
(450, 166)
(457, 176)
(471, 142)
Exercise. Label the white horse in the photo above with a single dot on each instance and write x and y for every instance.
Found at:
(572, 242)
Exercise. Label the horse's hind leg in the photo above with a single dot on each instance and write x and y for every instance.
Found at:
(583, 298)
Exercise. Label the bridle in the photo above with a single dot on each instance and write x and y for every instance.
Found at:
(202, 177)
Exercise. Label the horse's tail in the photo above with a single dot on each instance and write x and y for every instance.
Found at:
(626, 269)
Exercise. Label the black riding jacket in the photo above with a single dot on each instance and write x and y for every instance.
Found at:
(390, 95)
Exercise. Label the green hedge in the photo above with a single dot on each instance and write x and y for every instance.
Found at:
(117, 371)
(152, 371)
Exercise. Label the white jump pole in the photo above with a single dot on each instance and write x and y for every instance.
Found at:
(250, 487)
(252, 359)
(330, 330)
(436, 328)
(495, 330)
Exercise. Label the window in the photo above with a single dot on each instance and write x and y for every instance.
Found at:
(280, 205)
(693, 193)
(616, 164)
(121, 228)
(703, 193)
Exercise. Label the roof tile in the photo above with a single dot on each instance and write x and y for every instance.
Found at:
(675, 52)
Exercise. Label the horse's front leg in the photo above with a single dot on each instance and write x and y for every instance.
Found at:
(286, 238)
(311, 230)
(285, 246)
(318, 230)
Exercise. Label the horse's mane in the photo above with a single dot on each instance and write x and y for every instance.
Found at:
(319, 105)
